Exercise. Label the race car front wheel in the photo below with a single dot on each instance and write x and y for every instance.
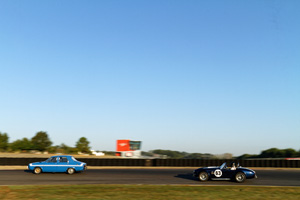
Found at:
(203, 176)
(240, 177)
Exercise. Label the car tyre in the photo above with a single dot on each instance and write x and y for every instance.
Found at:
(71, 171)
(240, 177)
(203, 176)
(37, 170)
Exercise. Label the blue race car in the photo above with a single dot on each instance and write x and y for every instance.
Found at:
(61, 163)
(239, 174)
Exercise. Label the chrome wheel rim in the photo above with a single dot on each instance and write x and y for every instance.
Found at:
(203, 176)
(37, 170)
(240, 177)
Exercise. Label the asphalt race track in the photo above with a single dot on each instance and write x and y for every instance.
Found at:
(143, 176)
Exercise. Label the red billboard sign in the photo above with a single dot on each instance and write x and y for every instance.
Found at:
(123, 145)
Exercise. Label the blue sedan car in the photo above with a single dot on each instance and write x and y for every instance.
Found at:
(239, 174)
(61, 163)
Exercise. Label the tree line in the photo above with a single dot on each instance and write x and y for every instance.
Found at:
(269, 153)
(273, 153)
(176, 154)
(41, 142)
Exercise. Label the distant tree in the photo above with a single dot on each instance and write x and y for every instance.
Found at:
(3, 141)
(68, 150)
(247, 156)
(53, 149)
(170, 153)
(271, 153)
(41, 141)
(83, 145)
(20, 145)
(198, 156)
(290, 153)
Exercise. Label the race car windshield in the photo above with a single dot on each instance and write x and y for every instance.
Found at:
(223, 165)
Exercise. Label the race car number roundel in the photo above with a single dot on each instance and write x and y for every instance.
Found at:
(218, 173)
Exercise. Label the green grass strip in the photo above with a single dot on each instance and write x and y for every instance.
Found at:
(157, 192)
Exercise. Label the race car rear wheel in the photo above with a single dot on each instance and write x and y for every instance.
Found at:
(203, 176)
(37, 170)
(71, 171)
(240, 177)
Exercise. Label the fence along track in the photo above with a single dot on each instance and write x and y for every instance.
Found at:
(280, 163)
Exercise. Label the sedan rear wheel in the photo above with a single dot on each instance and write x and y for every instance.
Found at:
(203, 176)
(37, 170)
(240, 177)
(71, 171)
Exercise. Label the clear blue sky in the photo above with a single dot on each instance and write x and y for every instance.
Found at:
(195, 76)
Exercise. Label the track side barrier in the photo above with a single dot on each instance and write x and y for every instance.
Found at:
(281, 163)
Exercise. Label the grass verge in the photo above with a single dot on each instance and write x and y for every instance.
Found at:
(146, 192)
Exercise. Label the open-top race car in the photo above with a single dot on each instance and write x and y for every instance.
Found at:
(61, 163)
(236, 173)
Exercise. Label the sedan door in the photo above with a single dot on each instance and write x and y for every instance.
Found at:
(63, 164)
(50, 165)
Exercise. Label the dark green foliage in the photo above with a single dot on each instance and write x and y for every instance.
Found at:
(67, 150)
(41, 141)
(21, 145)
(273, 153)
(83, 145)
(278, 153)
(290, 153)
(54, 149)
(146, 192)
(198, 156)
(3, 141)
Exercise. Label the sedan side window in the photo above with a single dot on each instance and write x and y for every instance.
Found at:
(52, 160)
(63, 159)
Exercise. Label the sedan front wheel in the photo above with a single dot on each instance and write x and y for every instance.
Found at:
(71, 171)
(37, 170)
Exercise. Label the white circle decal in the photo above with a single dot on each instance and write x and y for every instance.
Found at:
(218, 173)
